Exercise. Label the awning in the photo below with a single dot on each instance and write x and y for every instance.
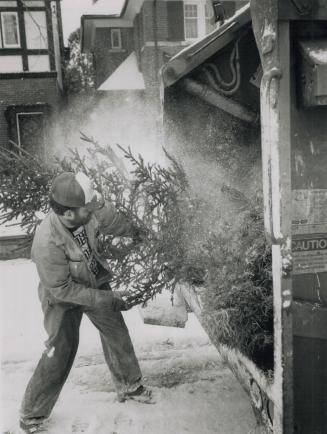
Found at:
(126, 77)
(196, 54)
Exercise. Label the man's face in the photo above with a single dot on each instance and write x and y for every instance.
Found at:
(78, 217)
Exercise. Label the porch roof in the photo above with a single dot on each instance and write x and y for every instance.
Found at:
(126, 77)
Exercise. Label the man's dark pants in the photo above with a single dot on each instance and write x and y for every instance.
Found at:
(54, 366)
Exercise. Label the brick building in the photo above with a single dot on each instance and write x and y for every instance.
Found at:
(31, 52)
(131, 45)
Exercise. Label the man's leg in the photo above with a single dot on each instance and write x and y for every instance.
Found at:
(52, 370)
(118, 349)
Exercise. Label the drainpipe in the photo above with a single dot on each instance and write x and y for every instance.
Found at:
(215, 99)
(155, 36)
(159, 134)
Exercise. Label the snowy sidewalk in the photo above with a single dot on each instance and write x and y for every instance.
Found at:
(195, 392)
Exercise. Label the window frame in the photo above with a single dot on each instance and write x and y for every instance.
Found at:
(118, 31)
(12, 113)
(4, 45)
(197, 4)
(203, 14)
(207, 19)
(42, 29)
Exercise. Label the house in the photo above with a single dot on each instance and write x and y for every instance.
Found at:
(31, 77)
(131, 44)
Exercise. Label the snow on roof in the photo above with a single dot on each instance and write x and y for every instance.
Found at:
(106, 7)
(126, 77)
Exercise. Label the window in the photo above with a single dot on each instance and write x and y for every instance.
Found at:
(191, 21)
(30, 129)
(198, 19)
(36, 30)
(116, 39)
(9, 30)
(209, 17)
(24, 37)
(28, 126)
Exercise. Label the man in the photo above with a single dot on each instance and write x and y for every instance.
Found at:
(74, 280)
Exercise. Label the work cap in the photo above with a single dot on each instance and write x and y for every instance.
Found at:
(75, 191)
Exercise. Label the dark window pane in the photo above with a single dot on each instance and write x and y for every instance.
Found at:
(31, 132)
(116, 39)
(10, 29)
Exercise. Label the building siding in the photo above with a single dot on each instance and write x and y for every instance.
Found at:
(42, 87)
(163, 22)
(155, 21)
(26, 91)
(107, 60)
(175, 14)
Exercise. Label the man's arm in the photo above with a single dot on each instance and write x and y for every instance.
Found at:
(53, 269)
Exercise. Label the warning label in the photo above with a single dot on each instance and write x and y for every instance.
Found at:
(309, 211)
(309, 255)
(307, 245)
(309, 230)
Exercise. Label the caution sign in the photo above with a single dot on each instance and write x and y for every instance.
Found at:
(309, 254)
(309, 231)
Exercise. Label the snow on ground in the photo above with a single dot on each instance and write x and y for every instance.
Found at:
(11, 229)
(195, 392)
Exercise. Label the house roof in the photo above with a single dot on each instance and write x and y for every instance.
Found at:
(126, 77)
(105, 7)
(194, 55)
(117, 13)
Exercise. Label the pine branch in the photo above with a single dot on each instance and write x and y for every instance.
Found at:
(150, 200)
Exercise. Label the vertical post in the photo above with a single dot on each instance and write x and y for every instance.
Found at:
(273, 41)
(282, 250)
(22, 30)
(51, 48)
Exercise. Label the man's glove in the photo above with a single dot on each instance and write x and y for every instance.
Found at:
(110, 300)
(139, 235)
(118, 303)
